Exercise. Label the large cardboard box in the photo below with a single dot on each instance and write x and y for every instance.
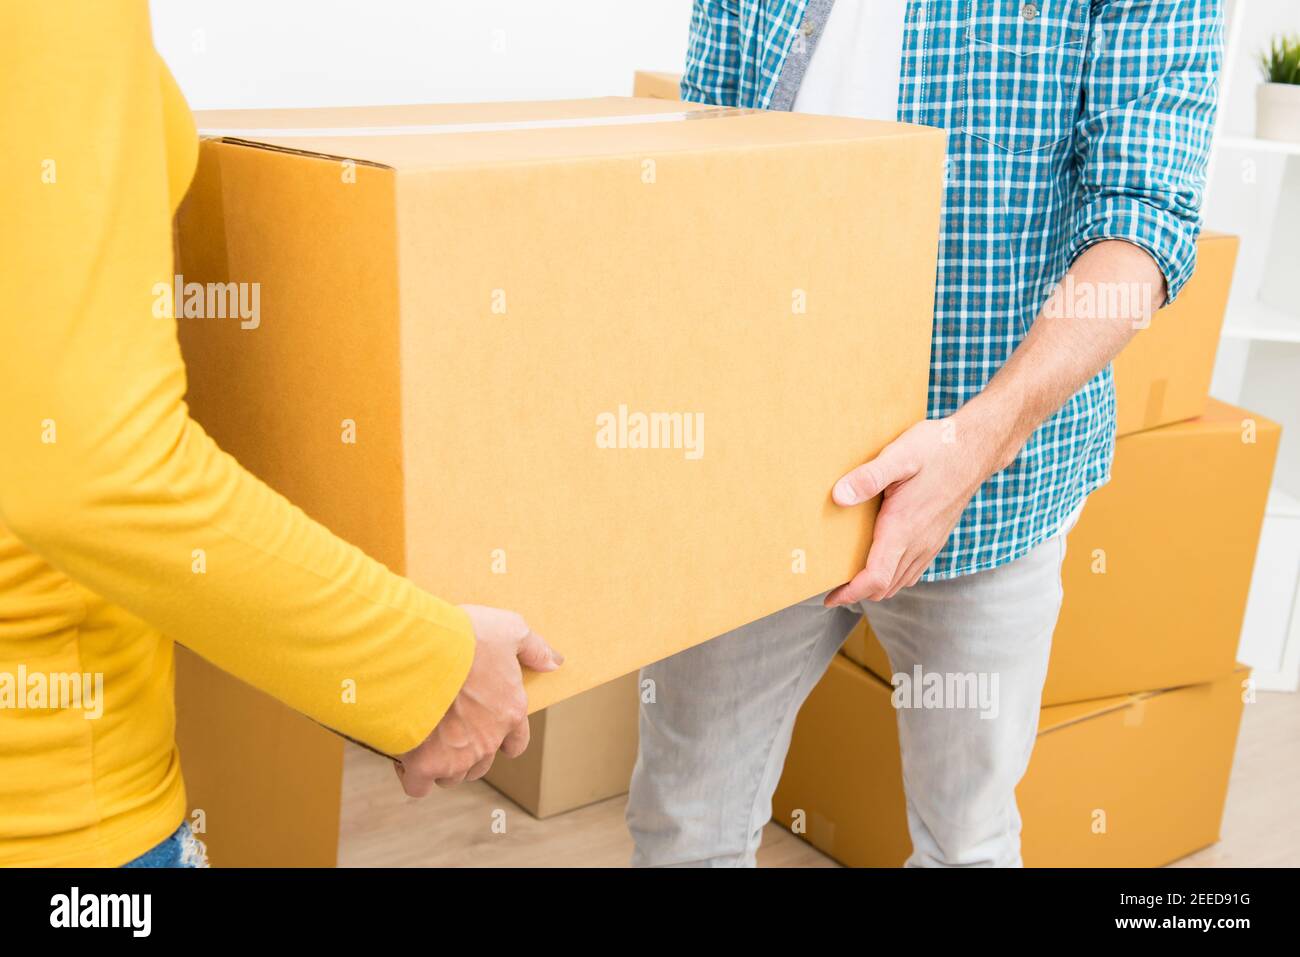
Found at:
(475, 319)
(1163, 374)
(581, 751)
(1128, 781)
(659, 86)
(1158, 568)
(569, 357)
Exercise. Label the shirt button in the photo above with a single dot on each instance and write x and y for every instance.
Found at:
(809, 28)
(1029, 11)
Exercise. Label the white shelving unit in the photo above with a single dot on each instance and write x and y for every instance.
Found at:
(1252, 320)
(1254, 192)
(1250, 144)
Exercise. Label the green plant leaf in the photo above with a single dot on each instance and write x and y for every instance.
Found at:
(1280, 63)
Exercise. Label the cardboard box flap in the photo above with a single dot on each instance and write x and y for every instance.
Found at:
(1053, 717)
(1220, 417)
(663, 86)
(1049, 719)
(436, 136)
(1059, 716)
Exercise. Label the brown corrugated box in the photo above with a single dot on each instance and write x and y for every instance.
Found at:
(460, 306)
(1128, 781)
(659, 86)
(1163, 374)
(581, 751)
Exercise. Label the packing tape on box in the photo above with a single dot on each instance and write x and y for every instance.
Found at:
(1135, 712)
(444, 129)
(1152, 415)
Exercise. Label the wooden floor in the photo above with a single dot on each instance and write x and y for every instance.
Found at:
(464, 827)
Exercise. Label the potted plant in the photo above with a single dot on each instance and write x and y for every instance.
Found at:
(1277, 104)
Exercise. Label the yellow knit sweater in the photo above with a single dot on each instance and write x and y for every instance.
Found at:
(109, 492)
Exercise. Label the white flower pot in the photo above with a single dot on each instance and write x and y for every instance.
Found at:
(1277, 112)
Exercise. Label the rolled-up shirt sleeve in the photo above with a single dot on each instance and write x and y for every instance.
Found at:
(1150, 94)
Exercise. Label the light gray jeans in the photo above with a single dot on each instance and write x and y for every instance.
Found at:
(715, 735)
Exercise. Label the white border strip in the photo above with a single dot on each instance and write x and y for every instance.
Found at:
(442, 129)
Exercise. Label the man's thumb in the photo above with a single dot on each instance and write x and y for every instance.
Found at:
(536, 654)
(867, 481)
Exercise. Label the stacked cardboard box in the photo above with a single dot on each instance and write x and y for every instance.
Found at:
(1125, 781)
(1143, 696)
(658, 86)
(1163, 375)
(581, 751)
(490, 339)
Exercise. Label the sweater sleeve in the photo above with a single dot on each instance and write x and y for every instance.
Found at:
(102, 471)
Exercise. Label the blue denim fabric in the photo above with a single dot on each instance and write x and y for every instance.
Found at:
(182, 849)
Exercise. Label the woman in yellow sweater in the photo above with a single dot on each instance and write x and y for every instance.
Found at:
(107, 487)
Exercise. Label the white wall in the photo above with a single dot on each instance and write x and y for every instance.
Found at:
(250, 53)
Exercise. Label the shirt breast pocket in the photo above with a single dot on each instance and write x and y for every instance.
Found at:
(1025, 63)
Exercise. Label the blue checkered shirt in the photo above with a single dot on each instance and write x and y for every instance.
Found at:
(1069, 122)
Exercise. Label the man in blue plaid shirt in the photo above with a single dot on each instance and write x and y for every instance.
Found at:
(1078, 133)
